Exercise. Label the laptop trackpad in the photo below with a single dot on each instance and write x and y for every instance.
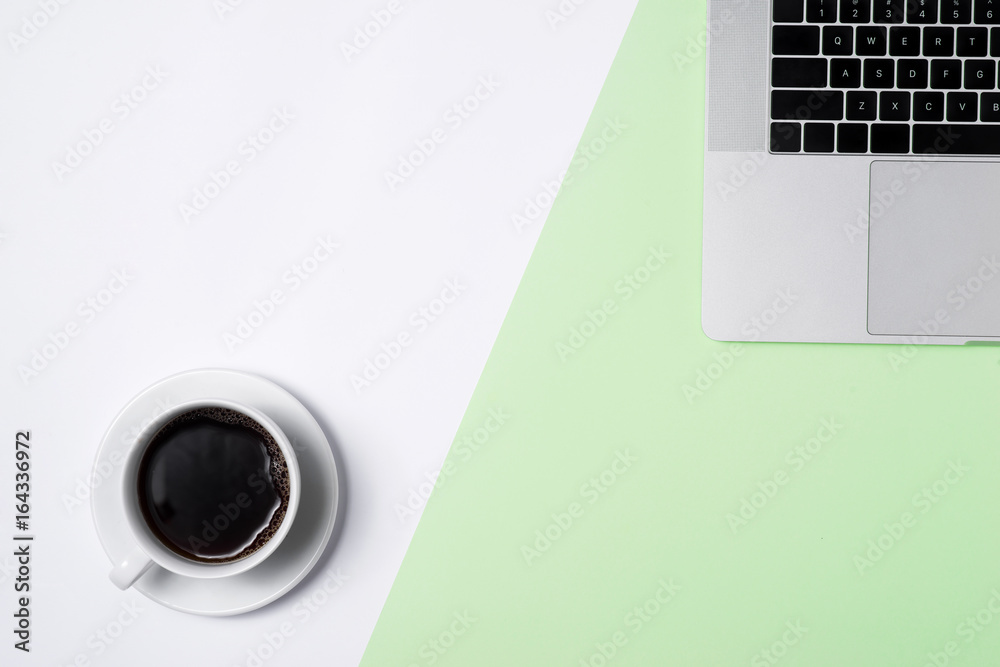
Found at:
(934, 249)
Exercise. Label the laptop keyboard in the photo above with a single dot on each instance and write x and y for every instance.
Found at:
(885, 77)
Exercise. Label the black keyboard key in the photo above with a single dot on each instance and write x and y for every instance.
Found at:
(980, 74)
(889, 11)
(911, 74)
(787, 11)
(862, 105)
(956, 11)
(807, 104)
(821, 11)
(995, 42)
(990, 108)
(904, 41)
(957, 139)
(894, 106)
(939, 42)
(922, 11)
(946, 74)
(818, 138)
(795, 40)
(928, 106)
(871, 41)
(963, 107)
(890, 138)
(845, 73)
(973, 42)
(798, 73)
(838, 40)
(855, 11)
(852, 138)
(988, 12)
(786, 137)
(879, 73)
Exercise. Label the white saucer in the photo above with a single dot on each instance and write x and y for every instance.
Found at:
(301, 548)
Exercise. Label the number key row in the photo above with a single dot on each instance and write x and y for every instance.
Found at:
(920, 12)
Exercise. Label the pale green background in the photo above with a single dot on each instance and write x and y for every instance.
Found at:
(665, 518)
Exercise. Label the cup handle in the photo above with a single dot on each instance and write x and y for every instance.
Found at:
(130, 569)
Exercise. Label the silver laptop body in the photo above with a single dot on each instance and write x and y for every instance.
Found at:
(857, 225)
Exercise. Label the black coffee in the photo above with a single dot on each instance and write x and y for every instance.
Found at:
(213, 485)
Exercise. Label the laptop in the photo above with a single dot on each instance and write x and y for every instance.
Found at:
(852, 171)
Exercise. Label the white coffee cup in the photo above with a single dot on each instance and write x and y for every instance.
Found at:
(149, 549)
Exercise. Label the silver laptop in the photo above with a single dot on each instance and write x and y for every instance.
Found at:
(852, 171)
